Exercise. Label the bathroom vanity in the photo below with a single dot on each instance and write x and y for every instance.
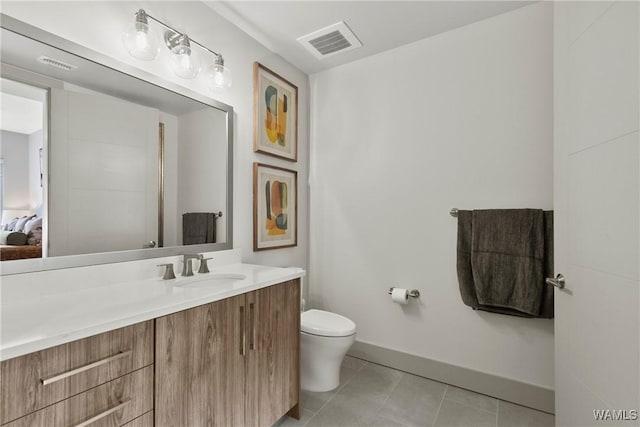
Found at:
(232, 362)
(221, 349)
(90, 333)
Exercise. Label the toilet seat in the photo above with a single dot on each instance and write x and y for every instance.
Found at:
(326, 324)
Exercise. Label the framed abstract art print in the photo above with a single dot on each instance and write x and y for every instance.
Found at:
(275, 121)
(275, 207)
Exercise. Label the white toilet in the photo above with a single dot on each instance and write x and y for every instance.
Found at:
(325, 338)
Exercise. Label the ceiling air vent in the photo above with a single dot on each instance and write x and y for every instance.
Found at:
(330, 40)
(57, 64)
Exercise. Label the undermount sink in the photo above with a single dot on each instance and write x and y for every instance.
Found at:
(206, 280)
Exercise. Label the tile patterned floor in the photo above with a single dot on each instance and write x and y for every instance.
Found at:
(377, 396)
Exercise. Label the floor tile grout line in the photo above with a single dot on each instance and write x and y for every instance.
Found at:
(362, 365)
(325, 403)
(390, 393)
(450, 385)
(474, 406)
(334, 395)
(435, 420)
(414, 374)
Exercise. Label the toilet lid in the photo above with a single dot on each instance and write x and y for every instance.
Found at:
(326, 324)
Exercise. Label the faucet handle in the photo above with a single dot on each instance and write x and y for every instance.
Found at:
(168, 272)
(204, 268)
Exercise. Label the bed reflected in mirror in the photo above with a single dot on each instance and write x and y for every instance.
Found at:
(22, 127)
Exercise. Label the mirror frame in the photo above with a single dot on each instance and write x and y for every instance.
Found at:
(55, 263)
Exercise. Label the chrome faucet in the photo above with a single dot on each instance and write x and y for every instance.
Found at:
(187, 269)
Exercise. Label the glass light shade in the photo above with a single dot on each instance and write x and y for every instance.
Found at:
(140, 41)
(218, 77)
(183, 63)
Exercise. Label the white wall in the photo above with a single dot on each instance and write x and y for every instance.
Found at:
(69, 20)
(462, 119)
(14, 150)
(35, 188)
(596, 194)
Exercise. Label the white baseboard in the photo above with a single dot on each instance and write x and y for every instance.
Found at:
(531, 395)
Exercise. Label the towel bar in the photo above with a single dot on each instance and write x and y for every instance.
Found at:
(215, 215)
(558, 282)
(454, 212)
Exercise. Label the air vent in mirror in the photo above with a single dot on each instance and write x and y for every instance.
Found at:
(57, 64)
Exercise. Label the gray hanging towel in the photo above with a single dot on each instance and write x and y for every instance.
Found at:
(503, 258)
(463, 262)
(198, 228)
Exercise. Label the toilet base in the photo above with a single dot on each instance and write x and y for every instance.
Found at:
(321, 358)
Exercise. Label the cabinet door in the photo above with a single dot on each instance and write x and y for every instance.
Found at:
(200, 365)
(273, 355)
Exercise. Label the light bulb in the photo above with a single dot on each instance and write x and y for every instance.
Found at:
(139, 39)
(218, 76)
(183, 63)
(142, 40)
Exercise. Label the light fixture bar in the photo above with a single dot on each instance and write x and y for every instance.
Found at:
(180, 33)
(141, 42)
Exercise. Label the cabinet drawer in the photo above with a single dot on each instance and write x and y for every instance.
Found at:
(145, 420)
(112, 404)
(36, 380)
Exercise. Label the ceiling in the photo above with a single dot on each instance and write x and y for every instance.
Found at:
(380, 25)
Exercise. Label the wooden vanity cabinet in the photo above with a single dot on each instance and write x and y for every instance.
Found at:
(115, 403)
(101, 376)
(234, 362)
(145, 420)
(200, 365)
(273, 357)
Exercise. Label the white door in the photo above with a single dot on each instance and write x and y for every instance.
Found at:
(103, 193)
(596, 187)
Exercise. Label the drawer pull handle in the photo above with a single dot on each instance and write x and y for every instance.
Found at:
(46, 381)
(103, 414)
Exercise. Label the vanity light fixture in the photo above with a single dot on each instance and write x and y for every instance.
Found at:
(141, 43)
(139, 39)
(218, 76)
(183, 63)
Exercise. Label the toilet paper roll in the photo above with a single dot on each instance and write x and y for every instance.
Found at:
(400, 296)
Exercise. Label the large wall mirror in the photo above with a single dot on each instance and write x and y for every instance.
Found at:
(103, 163)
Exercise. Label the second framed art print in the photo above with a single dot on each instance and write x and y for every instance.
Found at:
(275, 207)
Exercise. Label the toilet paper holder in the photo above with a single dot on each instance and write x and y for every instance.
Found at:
(413, 293)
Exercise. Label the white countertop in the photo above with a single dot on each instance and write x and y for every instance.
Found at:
(68, 313)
